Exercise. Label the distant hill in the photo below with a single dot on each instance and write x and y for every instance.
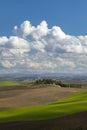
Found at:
(65, 77)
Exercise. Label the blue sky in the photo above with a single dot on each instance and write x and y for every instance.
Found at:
(70, 15)
(43, 36)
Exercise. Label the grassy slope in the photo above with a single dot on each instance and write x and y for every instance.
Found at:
(69, 105)
(8, 83)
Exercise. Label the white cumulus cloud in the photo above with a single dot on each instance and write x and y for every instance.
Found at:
(42, 49)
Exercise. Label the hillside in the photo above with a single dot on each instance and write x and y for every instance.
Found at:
(32, 95)
(42, 106)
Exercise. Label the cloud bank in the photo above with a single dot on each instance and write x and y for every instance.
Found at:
(40, 49)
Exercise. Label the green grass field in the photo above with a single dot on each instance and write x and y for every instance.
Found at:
(70, 105)
(5, 83)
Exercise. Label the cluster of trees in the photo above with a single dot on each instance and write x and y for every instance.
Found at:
(50, 81)
(56, 82)
(47, 81)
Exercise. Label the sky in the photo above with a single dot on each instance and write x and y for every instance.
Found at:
(38, 36)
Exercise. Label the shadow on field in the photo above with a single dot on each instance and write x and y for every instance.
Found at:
(72, 122)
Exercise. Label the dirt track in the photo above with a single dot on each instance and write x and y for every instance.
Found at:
(25, 96)
(73, 122)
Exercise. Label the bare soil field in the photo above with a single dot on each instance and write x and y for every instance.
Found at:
(14, 97)
(32, 95)
(73, 122)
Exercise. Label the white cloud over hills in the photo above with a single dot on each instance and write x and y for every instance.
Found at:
(40, 49)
